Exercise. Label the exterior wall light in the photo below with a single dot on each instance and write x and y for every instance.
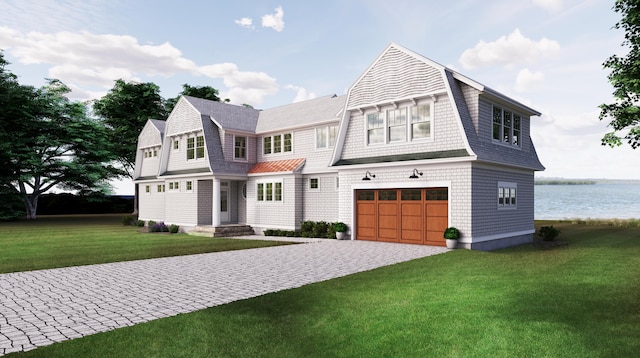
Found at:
(368, 176)
(415, 174)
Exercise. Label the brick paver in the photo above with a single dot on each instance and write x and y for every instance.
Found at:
(38, 308)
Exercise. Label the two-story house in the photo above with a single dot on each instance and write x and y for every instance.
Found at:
(413, 148)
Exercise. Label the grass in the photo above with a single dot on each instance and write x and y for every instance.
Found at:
(60, 241)
(579, 300)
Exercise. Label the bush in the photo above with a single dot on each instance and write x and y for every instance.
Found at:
(321, 229)
(150, 223)
(140, 223)
(307, 226)
(158, 227)
(548, 233)
(451, 233)
(174, 228)
(339, 227)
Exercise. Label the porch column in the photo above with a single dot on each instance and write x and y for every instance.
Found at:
(215, 215)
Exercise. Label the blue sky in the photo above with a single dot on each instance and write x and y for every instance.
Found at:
(547, 54)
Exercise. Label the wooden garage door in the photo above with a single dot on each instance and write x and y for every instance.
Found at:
(412, 216)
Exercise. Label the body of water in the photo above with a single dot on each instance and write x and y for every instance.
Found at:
(596, 201)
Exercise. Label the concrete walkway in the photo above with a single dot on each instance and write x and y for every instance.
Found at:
(38, 308)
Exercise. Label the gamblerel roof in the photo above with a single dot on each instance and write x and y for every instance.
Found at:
(278, 166)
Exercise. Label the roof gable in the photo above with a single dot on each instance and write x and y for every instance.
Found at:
(226, 116)
(396, 74)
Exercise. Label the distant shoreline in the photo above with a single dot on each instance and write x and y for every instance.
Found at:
(561, 181)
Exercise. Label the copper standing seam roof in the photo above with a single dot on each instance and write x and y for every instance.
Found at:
(277, 166)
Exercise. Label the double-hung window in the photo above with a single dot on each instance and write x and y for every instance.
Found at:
(195, 147)
(269, 191)
(507, 195)
(326, 137)
(397, 123)
(375, 128)
(240, 148)
(506, 126)
(400, 124)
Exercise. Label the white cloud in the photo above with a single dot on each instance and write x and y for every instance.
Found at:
(550, 5)
(274, 21)
(527, 80)
(85, 59)
(245, 22)
(509, 50)
(301, 93)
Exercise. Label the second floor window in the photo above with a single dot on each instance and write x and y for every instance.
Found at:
(279, 143)
(506, 126)
(195, 147)
(240, 148)
(326, 136)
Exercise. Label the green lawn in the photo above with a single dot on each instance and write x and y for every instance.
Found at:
(580, 300)
(59, 241)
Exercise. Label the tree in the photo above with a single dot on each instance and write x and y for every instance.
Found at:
(625, 78)
(204, 92)
(51, 142)
(125, 110)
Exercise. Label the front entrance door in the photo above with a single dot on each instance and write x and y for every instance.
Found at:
(224, 202)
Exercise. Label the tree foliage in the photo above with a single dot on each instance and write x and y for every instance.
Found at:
(125, 110)
(204, 92)
(48, 141)
(625, 78)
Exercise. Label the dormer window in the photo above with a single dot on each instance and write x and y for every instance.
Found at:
(400, 124)
(506, 126)
(195, 147)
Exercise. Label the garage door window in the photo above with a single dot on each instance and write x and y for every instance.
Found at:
(437, 194)
(411, 194)
(387, 195)
(366, 195)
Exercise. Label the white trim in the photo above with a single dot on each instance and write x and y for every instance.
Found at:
(246, 149)
(397, 185)
(317, 179)
(454, 107)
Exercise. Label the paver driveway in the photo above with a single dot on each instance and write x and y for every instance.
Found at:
(38, 308)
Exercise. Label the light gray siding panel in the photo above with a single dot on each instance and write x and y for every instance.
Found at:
(320, 204)
(183, 119)
(458, 176)
(177, 159)
(150, 165)
(182, 205)
(446, 134)
(272, 214)
(151, 206)
(395, 75)
(488, 219)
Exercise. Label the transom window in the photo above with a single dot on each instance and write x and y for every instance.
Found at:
(400, 124)
(195, 147)
(506, 126)
(277, 143)
(240, 148)
(326, 137)
(269, 191)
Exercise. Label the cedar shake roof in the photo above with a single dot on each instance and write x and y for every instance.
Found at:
(277, 166)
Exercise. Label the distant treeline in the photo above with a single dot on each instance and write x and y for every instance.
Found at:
(66, 203)
(565, 182)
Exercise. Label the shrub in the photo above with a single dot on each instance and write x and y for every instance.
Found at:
(451, 233)
(139, 223)
(307, 226)
(321, 229)
(548, 233)
(174, 228)
(150, 223)
(339, 227)
(158, 227)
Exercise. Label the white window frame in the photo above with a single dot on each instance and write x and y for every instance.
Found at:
(189, 186)
(324, 134)
(274, 184)
(174, 186)
(507, 195)
(235, 148)
(272, 146)
(161, 188)
(175, 145)
(317, 181)
(513, 137)
(195, 148)
(383, 123)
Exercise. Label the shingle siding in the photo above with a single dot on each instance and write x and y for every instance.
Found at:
(320, 204)
(151, 205)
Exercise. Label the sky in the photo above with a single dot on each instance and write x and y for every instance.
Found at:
(547, 54)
